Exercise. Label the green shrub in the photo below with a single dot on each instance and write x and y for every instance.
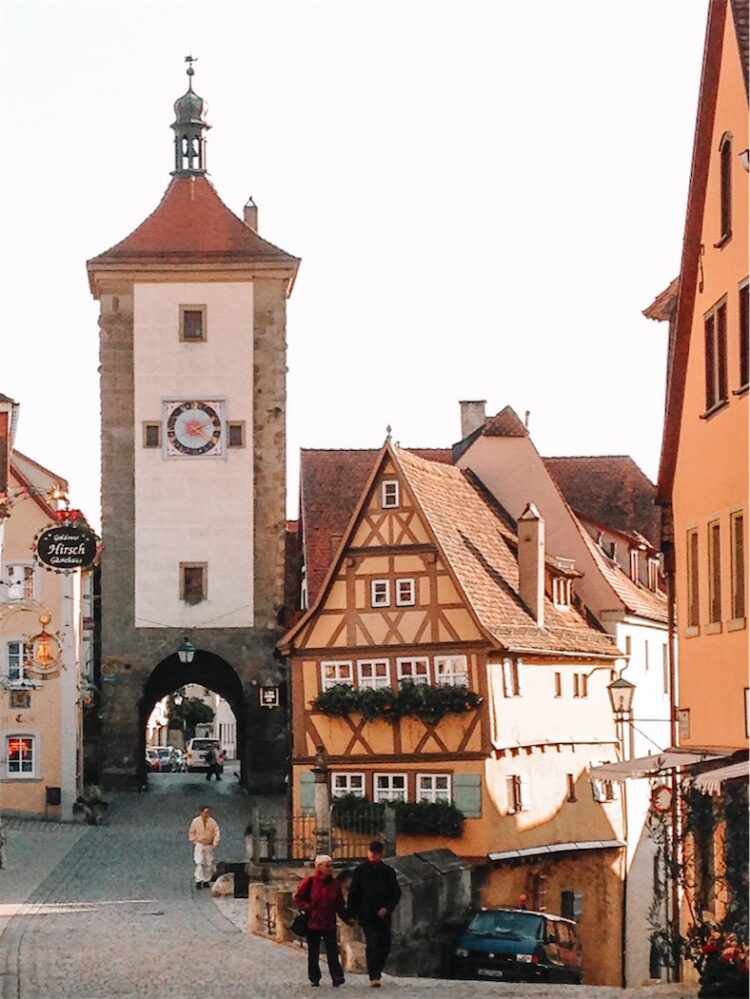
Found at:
(416, 700)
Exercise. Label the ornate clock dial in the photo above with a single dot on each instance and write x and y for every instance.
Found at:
(194, 428)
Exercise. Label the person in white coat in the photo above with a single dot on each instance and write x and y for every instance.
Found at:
(204, 834)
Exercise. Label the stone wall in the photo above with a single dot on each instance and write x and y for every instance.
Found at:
(436, 893)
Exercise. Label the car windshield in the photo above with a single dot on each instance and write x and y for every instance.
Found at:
(199, 744)
(510, 925)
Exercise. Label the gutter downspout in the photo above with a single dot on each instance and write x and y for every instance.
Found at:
(675, 816)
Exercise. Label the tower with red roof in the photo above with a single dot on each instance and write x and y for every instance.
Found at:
(193, 434)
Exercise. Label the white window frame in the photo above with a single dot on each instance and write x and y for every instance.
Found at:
(24, 588)
(518, 792)
(341, 784)
(24, 653)
(390, 793)
(428, 791)
(21, 774)
(446, 675)
(512, 678)
(340, 667)
(384, 599)
(562, 592)
(411, 597)
(416, 661)
(377, 680)
(390, 494)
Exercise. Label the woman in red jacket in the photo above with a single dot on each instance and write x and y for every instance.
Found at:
(321, 898)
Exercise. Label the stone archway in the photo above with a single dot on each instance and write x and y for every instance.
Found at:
(207, 670)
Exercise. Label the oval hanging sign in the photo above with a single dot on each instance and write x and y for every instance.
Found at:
(66, 547)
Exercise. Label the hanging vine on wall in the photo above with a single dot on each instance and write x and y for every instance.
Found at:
(717, 949)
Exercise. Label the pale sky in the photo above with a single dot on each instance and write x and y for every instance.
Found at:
(484, 195)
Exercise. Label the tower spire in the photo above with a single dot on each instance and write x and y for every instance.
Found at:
(190, 130)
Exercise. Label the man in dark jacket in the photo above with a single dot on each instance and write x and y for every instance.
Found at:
(373, 895)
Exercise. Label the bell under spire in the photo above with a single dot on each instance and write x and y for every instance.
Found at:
(190, 130)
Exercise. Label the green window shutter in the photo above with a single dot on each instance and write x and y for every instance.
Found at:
(307, 792)
(467, 794)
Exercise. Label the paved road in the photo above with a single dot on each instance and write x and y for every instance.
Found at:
(98, 913)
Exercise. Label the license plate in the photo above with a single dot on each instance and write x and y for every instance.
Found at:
(490, 972)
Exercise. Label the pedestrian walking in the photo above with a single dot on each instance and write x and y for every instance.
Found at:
(214, 761)
(373, 895)
(320, 896)
(204, 834)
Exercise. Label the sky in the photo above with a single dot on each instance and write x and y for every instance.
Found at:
(484, 195)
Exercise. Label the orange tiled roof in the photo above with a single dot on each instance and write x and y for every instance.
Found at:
(637, 598)
(192, 222)
(331, 483)
(610, 489)
(480, 550)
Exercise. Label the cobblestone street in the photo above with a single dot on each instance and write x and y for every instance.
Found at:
(95, 912)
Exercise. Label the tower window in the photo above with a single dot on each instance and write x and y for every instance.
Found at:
(744, 336)
(193, 582)
(725, 154)
(693, 609)
(715, 329)
(236, 434)
(714, 572)
(192, 323)
(737, 530)
(152, 434)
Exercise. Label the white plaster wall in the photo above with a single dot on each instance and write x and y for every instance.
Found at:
(193, 509)
(537, 716)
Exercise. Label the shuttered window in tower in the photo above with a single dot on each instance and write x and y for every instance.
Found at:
(714, 572)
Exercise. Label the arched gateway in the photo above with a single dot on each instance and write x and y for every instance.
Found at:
(206, 670)
(193, 403)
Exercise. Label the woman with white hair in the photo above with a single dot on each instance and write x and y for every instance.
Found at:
(320, 896)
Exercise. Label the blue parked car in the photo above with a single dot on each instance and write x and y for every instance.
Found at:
(516, 945)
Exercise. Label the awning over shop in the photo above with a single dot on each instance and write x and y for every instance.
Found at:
(545, 851)
(647, 766)
(711, 781)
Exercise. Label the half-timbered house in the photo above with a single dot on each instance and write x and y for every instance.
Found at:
(433, 585)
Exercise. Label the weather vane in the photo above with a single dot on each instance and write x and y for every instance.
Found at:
(190, 59)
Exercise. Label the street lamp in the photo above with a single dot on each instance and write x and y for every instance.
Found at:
(186, 651)
(621, 693)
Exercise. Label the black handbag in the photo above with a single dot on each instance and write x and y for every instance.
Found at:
(299, 925)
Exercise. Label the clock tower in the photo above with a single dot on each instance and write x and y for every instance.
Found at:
(193, 412)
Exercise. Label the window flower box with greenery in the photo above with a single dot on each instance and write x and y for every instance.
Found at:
(415, 700)
(413, 818)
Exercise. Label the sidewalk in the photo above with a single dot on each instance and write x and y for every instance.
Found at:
(34, 849)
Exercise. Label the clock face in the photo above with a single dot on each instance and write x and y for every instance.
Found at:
(194, 428)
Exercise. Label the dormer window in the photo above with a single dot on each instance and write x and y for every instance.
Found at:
(389, 494)
(562, 589)
(634, 555)
(725, 165)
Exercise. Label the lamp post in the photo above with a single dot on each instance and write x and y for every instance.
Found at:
(621, 693)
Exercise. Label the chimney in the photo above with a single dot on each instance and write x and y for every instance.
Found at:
(250, 214)
(472, 416)
(531, 561)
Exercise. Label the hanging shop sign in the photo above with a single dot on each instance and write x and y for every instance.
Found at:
(65, 547)
(269, 697)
